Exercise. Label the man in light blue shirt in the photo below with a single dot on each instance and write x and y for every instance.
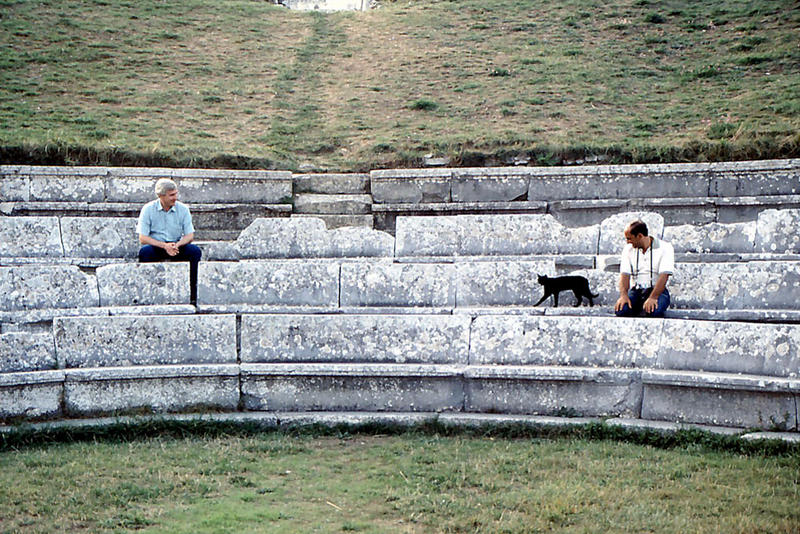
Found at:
(166, 232)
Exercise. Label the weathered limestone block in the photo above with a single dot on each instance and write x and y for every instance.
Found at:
(30, 237)
(730, 347)
(754, 178)
(612, 240)
(505, 283)
(307, 237)
(574, 341)
(357, 387)
(157, 389)
(381, 284)
(67, 187)
(751, 285)
(778, 231)
(553, 390)
(139, 284)
(278, 283)
(23, 351)
(13, 188)
(331, 184)
(99, 237)
(722, 400)
(617, 181)
(31, 395)
(51, 286)
(428, 339)
(155, 340)
(412, 186)
(489, 184)
(202, 186)
(332, 204)
(712, 237)
(491, 235)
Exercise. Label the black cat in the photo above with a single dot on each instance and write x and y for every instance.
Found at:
(579, 285)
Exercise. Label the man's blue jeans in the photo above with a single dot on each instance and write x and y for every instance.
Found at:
(190, 253)
(638, 296)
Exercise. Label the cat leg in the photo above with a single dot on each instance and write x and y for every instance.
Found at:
(555, 300)
(542, 299)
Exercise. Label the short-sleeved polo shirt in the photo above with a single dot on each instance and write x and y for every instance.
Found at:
(645, 267)
(167, 226)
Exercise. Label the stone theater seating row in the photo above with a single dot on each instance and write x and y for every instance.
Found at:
(581, 195)
(94, 241)
(32, 294)
(719, 373)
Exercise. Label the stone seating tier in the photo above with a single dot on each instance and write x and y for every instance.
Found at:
(707, 372)
(34, 294)
(92, 241)
(577, 196)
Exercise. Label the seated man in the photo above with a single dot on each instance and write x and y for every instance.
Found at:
(650, 262)
(166, 231)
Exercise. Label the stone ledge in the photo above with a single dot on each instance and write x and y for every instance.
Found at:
(27, 378)
(274, 420)
(266, 309)
(600, 375)
(788, 437)
(329, 419)
(130, 208)
(441, 208)
(148, 372)
(387, 370)
(477, 420)
(730, 381)
(49, 314)
(667, 427)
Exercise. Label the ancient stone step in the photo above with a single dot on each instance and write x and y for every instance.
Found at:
(311, 203)
(331, 184)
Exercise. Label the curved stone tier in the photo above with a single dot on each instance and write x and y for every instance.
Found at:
(295, 316)
(518, 364)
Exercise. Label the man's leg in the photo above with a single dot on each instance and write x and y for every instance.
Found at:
(663, 304)
(192, 254)
(635, 308)
(150, 254)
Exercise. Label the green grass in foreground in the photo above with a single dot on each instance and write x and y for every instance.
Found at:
(410, 482)
(243, 83)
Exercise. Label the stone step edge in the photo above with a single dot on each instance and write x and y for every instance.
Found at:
(277, 420)
(558, 373)
(542, 206)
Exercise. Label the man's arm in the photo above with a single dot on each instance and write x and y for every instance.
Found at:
(185, 240)
(652, 301)
(624, 286)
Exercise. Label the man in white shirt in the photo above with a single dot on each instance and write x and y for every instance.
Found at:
(649, 262)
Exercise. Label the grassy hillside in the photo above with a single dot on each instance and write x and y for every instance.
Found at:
(243, 83)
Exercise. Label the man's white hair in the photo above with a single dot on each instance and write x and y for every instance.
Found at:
(164, 186)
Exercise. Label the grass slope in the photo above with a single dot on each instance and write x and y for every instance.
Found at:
(243, 83)
(277, 482)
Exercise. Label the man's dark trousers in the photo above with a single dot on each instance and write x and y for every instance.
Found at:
(637, 297)
(190, 253)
